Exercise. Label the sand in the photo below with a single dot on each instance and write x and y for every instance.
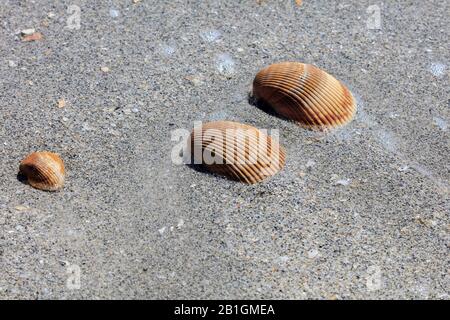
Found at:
(359, 212)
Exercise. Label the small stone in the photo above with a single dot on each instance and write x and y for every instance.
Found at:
(61, 103)
(22, 208)
(426, 222)
(162, 230)
(195, 80)
(332, 297)
(51, 15)
(136, 1)
(104, 69)
(180, 223)
(115, 133)
(403, 169)
(64, 119)
(28, 32)
(343, 182)
(12, 64)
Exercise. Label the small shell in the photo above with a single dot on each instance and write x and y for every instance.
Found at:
(43, 170)
(32, 37)
(236, 150)
(305, 94)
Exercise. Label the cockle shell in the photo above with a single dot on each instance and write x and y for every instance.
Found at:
(43, 170)
(305, 94)
(237, 151)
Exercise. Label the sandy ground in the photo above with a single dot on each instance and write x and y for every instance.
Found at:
(360, 212)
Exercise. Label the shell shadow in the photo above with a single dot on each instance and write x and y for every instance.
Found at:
(202, 169)
(263, 106)
(199, 168)
(22, 178)
(188, 160)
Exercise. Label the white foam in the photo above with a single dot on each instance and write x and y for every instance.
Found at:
(313, 253)
(441, 123)
(113, 13)
(438, 69)
(225, 64)
(210, 35)
(168, 50)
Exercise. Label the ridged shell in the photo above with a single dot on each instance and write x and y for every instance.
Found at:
(305, 94)
(43, 170)
(237, 151)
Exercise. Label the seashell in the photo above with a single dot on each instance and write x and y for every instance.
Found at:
(43, 170)
(305, 94)
(36, 36)
(237, 151)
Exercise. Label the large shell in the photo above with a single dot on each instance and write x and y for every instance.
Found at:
(237, 151)
(305, 94)
(43, 170)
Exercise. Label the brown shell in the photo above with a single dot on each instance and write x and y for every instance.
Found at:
(237, 151)
(32, 37)
(305, 94)
(44, 171)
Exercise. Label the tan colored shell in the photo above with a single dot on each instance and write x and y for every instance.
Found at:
(237, 151)
(44, 171)
(32, 37)
(305, 94)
